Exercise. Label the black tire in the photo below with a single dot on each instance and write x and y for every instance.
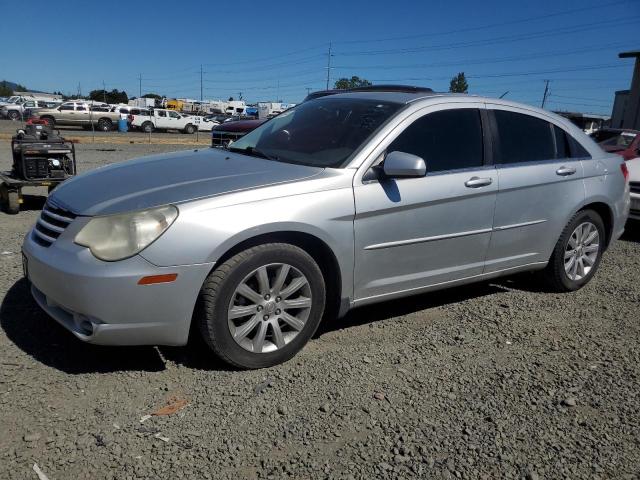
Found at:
(10, 200)
(105, 125)
(13, 115)
(147, 127)
(219, 290)
(190, 129)
(50, 121)
(554, 274)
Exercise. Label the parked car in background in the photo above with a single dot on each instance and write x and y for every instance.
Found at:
(81, 114)
(634, 186)
(206, 124)
(164, 119)
(342, 201)
(22, 109)
(225, 133)
(624, 142)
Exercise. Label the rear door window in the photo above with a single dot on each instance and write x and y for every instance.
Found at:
(523, 138)
(446, 140)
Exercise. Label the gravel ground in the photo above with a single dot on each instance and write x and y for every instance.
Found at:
(495, 380)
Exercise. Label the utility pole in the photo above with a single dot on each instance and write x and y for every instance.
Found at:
(104, 92)
(328, 65)
(200, 82)
(308, 90)
(546, 93)
(140, 85)
(79, 90)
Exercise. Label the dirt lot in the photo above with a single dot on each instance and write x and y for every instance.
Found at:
(496, 380)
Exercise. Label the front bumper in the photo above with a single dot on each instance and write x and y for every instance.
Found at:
(101, 302)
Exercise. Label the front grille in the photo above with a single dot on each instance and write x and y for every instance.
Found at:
(219, 138)
(634, 187)
(52, 222)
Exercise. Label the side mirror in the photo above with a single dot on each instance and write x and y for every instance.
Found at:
(401, 164)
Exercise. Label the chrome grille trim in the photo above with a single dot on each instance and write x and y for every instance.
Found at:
(46, 231)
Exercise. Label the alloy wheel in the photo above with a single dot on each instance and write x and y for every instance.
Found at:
(269, 307)
(581, 251)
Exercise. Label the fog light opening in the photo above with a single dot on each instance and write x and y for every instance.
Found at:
(85, 327)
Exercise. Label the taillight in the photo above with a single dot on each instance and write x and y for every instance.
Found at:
(625, 171)
(130, 118)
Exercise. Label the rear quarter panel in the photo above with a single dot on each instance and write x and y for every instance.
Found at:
(604, 183)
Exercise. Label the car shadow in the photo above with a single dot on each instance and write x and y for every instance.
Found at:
(41, 337)
(631, 231)
(407, 305)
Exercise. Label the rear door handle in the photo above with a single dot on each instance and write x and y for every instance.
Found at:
(564, 171)
(476, 182)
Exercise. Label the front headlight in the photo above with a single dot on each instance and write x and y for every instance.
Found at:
(116, 237)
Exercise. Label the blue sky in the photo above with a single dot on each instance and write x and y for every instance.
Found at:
(278, 49)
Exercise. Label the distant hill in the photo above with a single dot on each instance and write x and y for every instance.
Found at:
(16, 86)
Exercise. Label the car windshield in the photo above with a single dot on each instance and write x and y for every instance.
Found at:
(623, 140)
(322, 133)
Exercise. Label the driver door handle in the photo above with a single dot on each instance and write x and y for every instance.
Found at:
(476, 182)
(564, 171)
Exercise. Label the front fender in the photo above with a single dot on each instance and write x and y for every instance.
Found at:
(203, 233)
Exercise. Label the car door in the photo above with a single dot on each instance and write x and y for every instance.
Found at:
(162, 120)
(411, 233)
(175, 120)
(82, 116)
(541, 184)
(66, 114)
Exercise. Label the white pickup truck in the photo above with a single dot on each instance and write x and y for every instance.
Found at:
(161, 119)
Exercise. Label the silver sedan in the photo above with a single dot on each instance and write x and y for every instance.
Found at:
(345, 200)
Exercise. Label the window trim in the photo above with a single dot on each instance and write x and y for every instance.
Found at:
(496, 139)
(404, 118)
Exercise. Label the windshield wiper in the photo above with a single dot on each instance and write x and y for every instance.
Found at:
(253, 152)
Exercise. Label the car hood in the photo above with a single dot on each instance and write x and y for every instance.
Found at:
(239, 126)
(170, 179)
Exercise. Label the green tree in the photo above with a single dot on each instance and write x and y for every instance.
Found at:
(5, 90)
(114, 96)
(459, 84)
(152, 95)
(353, 82)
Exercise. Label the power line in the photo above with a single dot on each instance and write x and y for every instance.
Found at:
(505, 38)
(486, 26)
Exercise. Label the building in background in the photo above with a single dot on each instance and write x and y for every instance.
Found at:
(619, 108)
(626, 107)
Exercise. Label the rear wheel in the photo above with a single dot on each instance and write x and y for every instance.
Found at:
(50, 121)
(105, 125)
(14, 115)
(260, 307)
(577, 254)
(189, 129)
(147, 127)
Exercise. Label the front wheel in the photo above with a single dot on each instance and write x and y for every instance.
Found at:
(260, 307)
(577, 254)
(14, 115)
